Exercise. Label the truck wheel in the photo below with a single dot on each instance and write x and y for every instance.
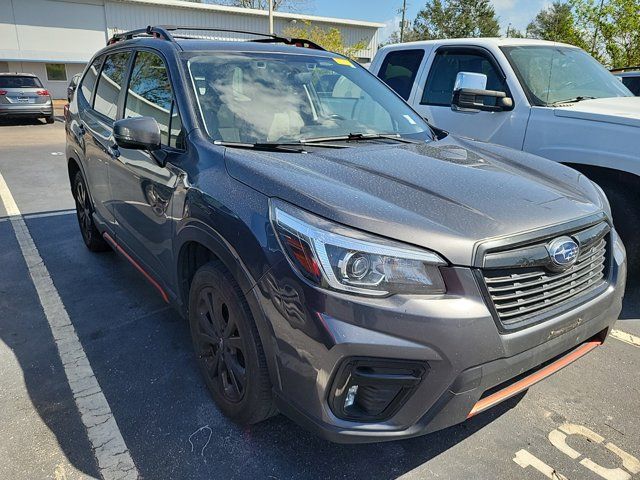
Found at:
(50, 119)
(84, 211)
(228, 347)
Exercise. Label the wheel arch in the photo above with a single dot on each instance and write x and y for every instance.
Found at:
(73, 167)
(599, 173)
(198, 244)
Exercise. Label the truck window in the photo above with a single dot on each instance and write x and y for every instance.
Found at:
(438, 89)
(633, 84)
(399, 70)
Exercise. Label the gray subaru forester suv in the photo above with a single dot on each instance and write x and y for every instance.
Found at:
(338, 259)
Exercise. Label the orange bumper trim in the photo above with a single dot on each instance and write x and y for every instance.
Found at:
(521, 385)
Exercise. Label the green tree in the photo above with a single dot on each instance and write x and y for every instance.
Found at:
(613, 30)
(328, 38)
(557, 23)
(261, 4)
(455, 19)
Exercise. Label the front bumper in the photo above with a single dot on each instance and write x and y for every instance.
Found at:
(455, 336)
(27, 110)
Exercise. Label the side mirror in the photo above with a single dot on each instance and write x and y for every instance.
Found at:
(470, 93)
(137, 133)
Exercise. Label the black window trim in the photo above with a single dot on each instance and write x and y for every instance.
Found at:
(174, 102)
(423, 54)
(466, 48)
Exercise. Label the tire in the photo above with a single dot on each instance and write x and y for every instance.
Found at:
(84, 212)
(228, 347)
(50, 119)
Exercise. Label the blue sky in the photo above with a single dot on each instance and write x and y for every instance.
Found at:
(517, 12)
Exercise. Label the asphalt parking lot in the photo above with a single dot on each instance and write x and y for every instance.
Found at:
(582, 423)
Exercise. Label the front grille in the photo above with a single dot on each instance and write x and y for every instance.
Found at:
(520, 293)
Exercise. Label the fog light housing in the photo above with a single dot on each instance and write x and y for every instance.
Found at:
(370, 390)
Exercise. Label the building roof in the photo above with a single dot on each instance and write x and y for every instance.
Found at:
(254, 12)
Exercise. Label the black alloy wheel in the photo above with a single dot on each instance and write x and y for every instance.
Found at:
(228, 347)
(220, 345)
(84, 211)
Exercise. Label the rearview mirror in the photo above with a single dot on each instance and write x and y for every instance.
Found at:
(470, 93)
(137, 133)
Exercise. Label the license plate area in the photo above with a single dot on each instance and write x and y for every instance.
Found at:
(25, 100)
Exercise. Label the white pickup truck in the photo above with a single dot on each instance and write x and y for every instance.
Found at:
(546, 98)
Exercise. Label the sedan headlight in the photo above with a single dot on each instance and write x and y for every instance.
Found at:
(341, 258)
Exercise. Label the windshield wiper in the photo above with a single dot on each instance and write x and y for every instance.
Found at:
(297, 147)
(572, 100)
(359, 136)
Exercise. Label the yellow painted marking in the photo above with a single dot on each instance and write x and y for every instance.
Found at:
(626, 337)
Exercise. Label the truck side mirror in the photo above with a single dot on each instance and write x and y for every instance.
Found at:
(470, 93)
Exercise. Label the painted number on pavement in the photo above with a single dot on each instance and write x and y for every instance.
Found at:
(558, 438)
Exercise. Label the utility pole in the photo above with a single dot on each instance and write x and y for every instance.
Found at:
(270, 17)
(404, 9)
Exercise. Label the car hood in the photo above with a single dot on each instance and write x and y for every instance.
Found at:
(446, 195)
(617, 110)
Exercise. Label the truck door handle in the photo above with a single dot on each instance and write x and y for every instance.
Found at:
(81, 129)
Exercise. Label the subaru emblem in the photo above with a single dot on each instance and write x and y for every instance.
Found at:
(563, 252)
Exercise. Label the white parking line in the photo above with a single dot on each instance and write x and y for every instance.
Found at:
(29, 216)
(626, 337)
(112, 454)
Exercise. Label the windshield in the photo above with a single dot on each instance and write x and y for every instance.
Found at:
(553, 75)
(19, 82)
(276, 98)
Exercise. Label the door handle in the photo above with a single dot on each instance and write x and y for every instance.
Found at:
(81, 130)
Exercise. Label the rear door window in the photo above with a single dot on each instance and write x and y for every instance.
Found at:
(633, 84)
(19, 81)
(89, 80)
(150, 95)
(110, 84)
(448, 63)
(399, 70)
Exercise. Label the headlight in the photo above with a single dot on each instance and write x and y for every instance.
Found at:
(337, 257)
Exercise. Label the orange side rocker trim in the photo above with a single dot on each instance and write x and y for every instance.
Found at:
(534, 378)
(108, 238)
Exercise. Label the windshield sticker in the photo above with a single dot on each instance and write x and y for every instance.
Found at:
(343, 61)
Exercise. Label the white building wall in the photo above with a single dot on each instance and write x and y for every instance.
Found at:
(122, 16)
(51, 30)
(36, 32)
